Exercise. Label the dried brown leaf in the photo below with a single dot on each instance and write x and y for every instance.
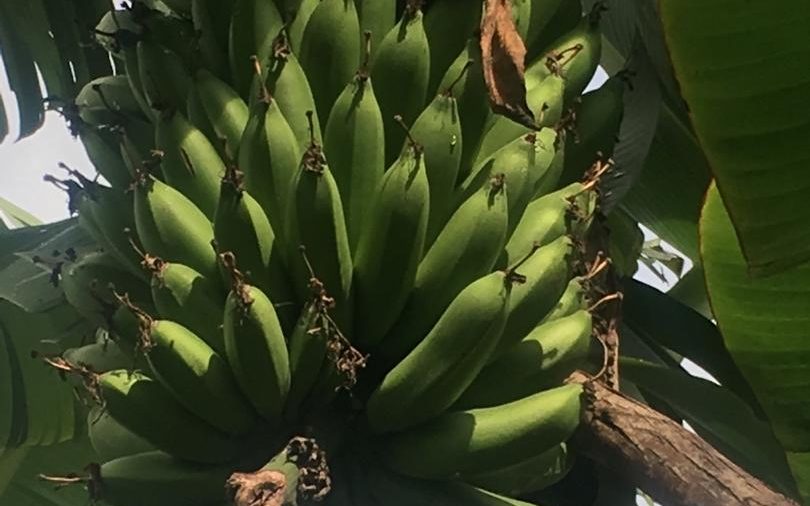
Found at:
(503, 53)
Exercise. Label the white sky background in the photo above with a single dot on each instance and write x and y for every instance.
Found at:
(24, 163)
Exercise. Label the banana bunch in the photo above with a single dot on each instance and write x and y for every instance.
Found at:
(316, 240)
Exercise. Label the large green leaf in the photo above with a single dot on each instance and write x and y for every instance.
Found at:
(27, 488)
(744, 71)
(655, 316)
(765, 324)
(718, 416)
(17, 216)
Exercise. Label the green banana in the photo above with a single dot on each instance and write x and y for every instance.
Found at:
(101, 356)
(163, 76)
(147, 409)
(596, 121)
(567, 210)
(376, 17)
(550, 20)
(547, 272)
(105, 100)
(448, 26)
(299, 22)
(198, 377)
(469, 442)
(382, 486)
(101, 146)
(472, 100)
(269, 157)
(402, 63)
(330, 51)
(574, 56)
(195, 110)
(256, 349)
(242, 227)
(465, 250)
(157, 479)
(554, 173)
(179, 6)
(438, 129)
(173, 228)
(542, 359)
(133, 75)
(254, 24)
(225, 109)
(308, 347)
(356, 146)
(391, 245)
(110, 439)
(530, 475)
(190, 162)
(432, 377)
(89, 285)
(574, 298)
(545, 100)
(212, 42)
(316, 222)
(288, 85)
(524, 162)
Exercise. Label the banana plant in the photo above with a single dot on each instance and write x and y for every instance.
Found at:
(355, 251)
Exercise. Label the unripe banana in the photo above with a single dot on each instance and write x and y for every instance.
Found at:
(288, 85)
(432, 377)
(133, 74)
(547, 355)
(448, 26)
(596, 122)
(382, 486)
(225, 109)
(465, 250)
(545, 100)
(89, 284)
(469, 442)
(254, 24)
(173, 228)
(163, 75)
(110, 439)
(111, 211)
(391, 246)
(472, 97)
(256, 349)
(547, 272)
(185, 296)
(144, 407)
(198, 377)
(575, 56)
(316, 222)
(307, 345)
(356, 146)
(101, 356)
(190, 162)
(179, 6)
(208, 23)
(574, 298)
(550, 20)
(269, 157)
(195, 110)
(376, 17)
(299, 22)
(330, 51)
(106, 100)
(567, 210)
(530, 475)
(524, 162)
(157, 479)
(102, 149)
(438, 129)
(402, 63)
(242, 227)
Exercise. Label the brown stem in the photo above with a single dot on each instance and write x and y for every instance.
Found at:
(673, 465)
